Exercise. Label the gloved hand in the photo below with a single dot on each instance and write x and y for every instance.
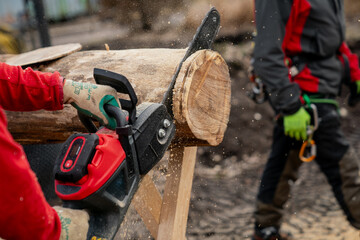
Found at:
(74, 223)
(90, 99)
(354, 97)
(357, 82)
(295, 125)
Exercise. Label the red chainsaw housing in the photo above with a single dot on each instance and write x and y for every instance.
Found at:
(107, 159)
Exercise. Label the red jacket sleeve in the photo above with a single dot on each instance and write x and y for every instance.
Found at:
(353, 62)
(24, 212)
(29, 90)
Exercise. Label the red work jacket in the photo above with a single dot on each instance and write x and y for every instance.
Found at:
(24, 212)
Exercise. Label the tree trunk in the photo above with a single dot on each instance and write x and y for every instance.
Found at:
(201, 102)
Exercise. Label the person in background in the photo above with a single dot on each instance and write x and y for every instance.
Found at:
(301, 56)
(24, 212)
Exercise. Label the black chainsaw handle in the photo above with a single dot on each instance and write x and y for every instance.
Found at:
(116, 113)
(111, 110)
(122, 85)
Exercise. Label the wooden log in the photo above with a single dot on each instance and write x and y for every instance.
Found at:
(201, 99)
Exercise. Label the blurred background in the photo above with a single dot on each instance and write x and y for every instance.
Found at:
(30, 24)
(227, 176)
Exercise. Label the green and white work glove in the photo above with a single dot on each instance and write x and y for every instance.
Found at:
(74, 223)
(90, 99)
(295, 125)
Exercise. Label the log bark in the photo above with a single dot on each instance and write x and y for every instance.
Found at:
(201, 96)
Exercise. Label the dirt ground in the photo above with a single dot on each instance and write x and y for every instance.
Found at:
(227, 176)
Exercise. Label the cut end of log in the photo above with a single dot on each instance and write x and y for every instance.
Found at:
(202, 96)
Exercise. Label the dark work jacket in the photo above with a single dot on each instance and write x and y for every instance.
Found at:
(308, 33)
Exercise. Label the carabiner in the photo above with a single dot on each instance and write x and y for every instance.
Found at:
(308, 149)
(258, 93)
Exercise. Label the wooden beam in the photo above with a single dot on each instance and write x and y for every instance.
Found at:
(147, 202)
(176, 199)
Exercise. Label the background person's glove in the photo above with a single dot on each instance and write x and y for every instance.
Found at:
(74, 223)
(354, 97)
(90, 99)
(357, 82)
(295, 125)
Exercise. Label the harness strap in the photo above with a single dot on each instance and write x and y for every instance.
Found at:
(317, 99)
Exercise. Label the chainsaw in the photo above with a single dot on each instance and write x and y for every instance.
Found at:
(100, 170)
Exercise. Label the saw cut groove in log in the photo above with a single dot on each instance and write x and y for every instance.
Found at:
(201, 101)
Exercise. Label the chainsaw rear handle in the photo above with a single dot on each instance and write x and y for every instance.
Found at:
(112, 111)
(116, 113)
(122, 85)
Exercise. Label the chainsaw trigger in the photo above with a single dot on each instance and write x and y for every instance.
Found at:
(307, 151)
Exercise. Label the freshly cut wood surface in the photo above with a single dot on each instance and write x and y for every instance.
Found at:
(43, 54)
(202, 98)
(201, 102)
